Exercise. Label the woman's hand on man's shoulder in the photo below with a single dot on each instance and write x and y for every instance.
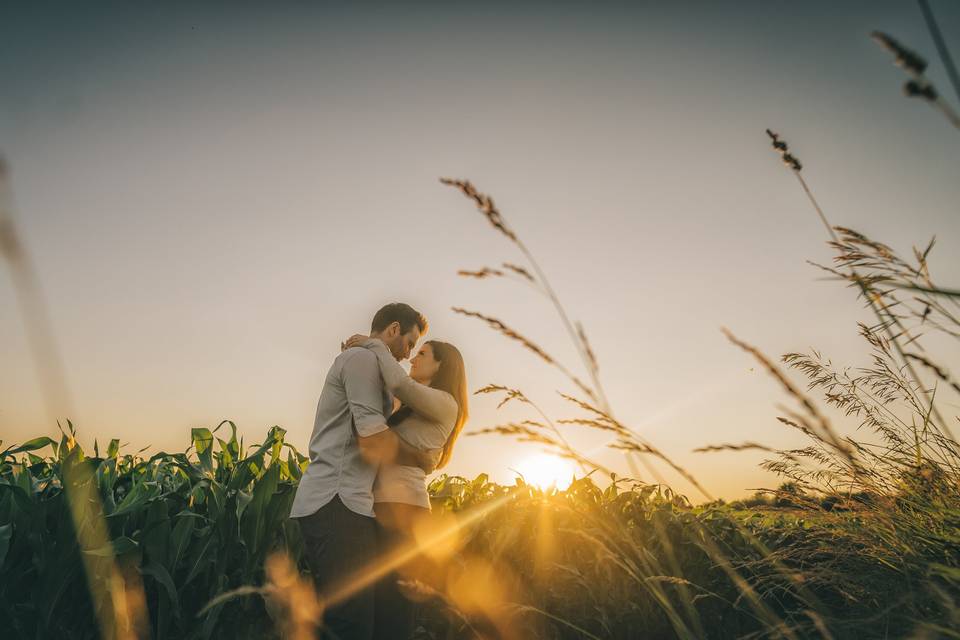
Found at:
(356, 340)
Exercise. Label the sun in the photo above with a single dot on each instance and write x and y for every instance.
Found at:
(545, 471)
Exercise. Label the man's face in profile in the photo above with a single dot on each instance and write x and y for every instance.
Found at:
(402, 344)
(410, 339)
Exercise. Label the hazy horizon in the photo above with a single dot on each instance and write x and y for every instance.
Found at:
(216, 196)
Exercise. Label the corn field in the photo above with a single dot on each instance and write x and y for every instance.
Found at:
(185, 526)
(624, 561)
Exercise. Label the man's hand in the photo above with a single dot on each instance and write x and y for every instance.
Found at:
(380, 448)
(386, 447)
(413, 457)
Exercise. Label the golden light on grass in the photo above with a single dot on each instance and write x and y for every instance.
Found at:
(292, 598)
(546, 536)
(477, 587)
(482, 590)
(545, 471)
(438, 536)
(118, 598)
(437, 539)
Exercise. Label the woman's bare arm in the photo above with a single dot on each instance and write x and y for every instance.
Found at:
(431, 403)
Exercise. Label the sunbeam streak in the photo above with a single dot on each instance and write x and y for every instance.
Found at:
(366, 576)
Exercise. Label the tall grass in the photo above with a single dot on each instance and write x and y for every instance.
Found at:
(884, 559)
(865, 521)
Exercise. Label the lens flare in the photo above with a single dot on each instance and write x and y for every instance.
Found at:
(545, 471)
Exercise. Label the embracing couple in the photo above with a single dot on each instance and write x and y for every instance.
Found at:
(378, 433)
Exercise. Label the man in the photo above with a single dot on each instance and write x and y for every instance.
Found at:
(334, 501)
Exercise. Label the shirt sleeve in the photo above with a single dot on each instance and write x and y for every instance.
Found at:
(431, 403)
(361, 382)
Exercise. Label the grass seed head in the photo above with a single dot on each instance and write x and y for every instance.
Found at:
(780, 146)
(484, 203)
(520, 271)
(904, 57)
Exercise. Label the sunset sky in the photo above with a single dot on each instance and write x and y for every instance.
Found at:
(215, 196)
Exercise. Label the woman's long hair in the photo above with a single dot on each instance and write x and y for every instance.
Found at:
(452, 378)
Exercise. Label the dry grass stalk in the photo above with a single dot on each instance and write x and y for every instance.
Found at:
(876, 300)
(591, 357)
(904, 58)
(645, 448)
(484, 203)
(520, 271)
(629, 440)
(10, 247)
(938, 40)
(521, 431)
(919, 86)
(509, 271)
(600, 413)
(119, 615)
(33, 307)
(509, 394)
(297, 611)
(940, 372)
(781, 147)
(886, 273)
(743, 446)
(515, 394)
(485, 272)
(593, 424)
(820, 428)
(542, 284)
(499, 326)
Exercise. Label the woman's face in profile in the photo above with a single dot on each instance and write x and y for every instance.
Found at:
(424, 366)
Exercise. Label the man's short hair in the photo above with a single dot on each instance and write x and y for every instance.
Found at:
(407, 316)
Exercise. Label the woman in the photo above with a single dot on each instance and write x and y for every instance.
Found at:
(430, 416)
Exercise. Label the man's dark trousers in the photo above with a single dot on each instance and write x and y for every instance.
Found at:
(340, 545)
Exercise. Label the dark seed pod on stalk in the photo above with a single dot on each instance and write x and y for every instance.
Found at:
(905, 58)
(915, 89)
(484, 203)
(781, 147)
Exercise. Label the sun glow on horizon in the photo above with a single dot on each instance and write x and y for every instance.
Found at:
(545, 471)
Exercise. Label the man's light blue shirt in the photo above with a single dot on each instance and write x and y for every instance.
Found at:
(353, 402)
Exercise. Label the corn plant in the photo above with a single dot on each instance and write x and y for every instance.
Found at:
(183, 526)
